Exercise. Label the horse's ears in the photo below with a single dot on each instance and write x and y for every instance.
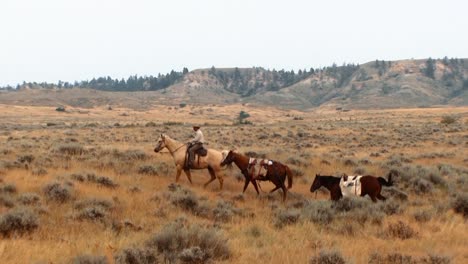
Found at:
(162, 136)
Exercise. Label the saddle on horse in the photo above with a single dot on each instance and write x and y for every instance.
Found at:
(195, 149)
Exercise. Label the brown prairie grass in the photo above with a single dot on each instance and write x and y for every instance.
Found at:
(119, 191)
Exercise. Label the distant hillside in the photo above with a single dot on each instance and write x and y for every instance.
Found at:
(377, 84)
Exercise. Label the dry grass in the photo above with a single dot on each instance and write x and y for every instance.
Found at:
(118, 196)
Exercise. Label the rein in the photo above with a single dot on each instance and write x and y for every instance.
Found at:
(172, 152)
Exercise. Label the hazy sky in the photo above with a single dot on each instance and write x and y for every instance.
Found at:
(51, 40)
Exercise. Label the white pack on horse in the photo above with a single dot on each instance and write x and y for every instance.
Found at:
(350, 185)
(178, 150)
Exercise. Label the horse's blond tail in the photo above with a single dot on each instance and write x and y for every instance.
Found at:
(290, 176)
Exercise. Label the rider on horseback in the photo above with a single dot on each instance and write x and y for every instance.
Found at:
(194, 145)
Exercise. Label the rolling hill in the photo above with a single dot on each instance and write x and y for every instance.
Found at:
(377, 84)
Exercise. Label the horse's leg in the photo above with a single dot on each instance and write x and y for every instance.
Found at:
(188, 174)
(381, 197)
(254, 182)
(246, 183)
(372, 196)
(179, 170)
(213, 177)
(219, 175)
(285, 192)
(274, 189)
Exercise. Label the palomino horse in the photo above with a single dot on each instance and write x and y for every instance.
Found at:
(369, 185)
(244, 164)
(178, 150)
(276, 172)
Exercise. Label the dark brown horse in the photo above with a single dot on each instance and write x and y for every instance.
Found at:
(244, 165)
(329, 182)
(367, 185)
(276, 172)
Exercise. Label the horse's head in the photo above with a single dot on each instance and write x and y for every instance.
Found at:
(228, 157)
(316, 184)
(161, 143)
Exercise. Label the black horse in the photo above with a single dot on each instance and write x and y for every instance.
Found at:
(329, 182)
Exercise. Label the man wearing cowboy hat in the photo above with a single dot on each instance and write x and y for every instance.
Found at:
(195, 144)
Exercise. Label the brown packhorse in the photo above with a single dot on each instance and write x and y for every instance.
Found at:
(178, 150)
(276, 172)
(242, 162)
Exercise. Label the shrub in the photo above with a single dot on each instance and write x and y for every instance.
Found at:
(93, 209)
(460, 205)
(286, 217)
(422, 216)
(421, 186)
(137, 256)
(151, 124)
(29, 199)
(25, 158)
(224, 211)
(319, 212)
(295, 161)
(254, 231)
(92, 213)
(349, 162)
(148, 170)
(39, 171)
(6, 200)
(106, 182)
(185, 200)
(433, 259)
(391, 207)
(435, 178)
(391, 258)
(57, 192)
(396, 193)
(360, 171)
(447, 120)
(91, 177)
(179, 241)
(131, 155)
(328, 257)
(193, 255)
(400, 230)
(89, 259)
(182, 198)
(347, 204)
(103, 203)
(134, 189)
(60, 109)
(8, 188)
(22, 220)
(69, 149)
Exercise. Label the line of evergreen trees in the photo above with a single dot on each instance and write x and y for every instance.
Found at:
(132, 83)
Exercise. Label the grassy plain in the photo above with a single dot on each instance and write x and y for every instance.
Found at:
(86, 185)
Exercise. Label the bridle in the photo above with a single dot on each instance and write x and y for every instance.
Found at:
(172, 152)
